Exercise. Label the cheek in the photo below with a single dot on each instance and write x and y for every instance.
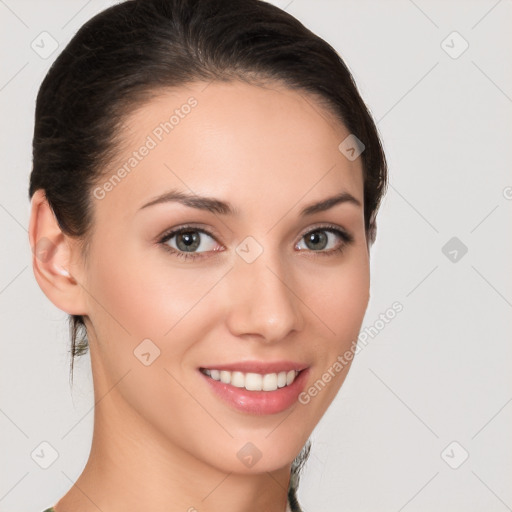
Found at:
(341, 298)
(340, 302)
(145, 296)
(137, 300)
(140, 293)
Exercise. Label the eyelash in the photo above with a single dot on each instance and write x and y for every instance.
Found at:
(346, 237)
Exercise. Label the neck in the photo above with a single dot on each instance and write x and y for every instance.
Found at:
(132, 467)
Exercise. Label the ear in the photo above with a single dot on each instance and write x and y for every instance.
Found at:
(52, 258)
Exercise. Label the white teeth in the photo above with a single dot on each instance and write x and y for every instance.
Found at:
(253, 381)
(237, 379)
(270, 382)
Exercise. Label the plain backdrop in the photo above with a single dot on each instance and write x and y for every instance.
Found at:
(424, 417)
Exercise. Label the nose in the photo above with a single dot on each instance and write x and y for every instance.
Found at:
(263, 302)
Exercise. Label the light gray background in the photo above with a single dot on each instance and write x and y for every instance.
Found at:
(438, 372)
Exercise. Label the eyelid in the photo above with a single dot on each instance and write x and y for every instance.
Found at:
(342, 233)
(210, 232)
(183, 255)
(191, 227)
(327, 226)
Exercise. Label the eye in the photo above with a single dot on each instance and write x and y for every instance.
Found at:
(189, 241)
(323, 240)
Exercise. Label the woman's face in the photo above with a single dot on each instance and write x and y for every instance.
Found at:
(249, 296)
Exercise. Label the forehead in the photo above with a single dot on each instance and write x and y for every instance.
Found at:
(233, 140)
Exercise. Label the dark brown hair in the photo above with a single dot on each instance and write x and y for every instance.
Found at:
(123, 55)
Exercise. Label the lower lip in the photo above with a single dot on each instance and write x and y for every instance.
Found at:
(259, 402)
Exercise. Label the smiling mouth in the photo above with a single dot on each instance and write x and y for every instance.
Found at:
(253, 381)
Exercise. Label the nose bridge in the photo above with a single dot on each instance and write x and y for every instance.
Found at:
(262, 298)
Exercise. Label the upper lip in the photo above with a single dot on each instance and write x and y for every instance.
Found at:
(262, 367)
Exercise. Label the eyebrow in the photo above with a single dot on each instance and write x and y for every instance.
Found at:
(224, 208)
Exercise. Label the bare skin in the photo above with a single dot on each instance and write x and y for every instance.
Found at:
(163, 441)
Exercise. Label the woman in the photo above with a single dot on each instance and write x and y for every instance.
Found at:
(204, 195)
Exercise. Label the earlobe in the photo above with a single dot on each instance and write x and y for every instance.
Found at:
(51, 258)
